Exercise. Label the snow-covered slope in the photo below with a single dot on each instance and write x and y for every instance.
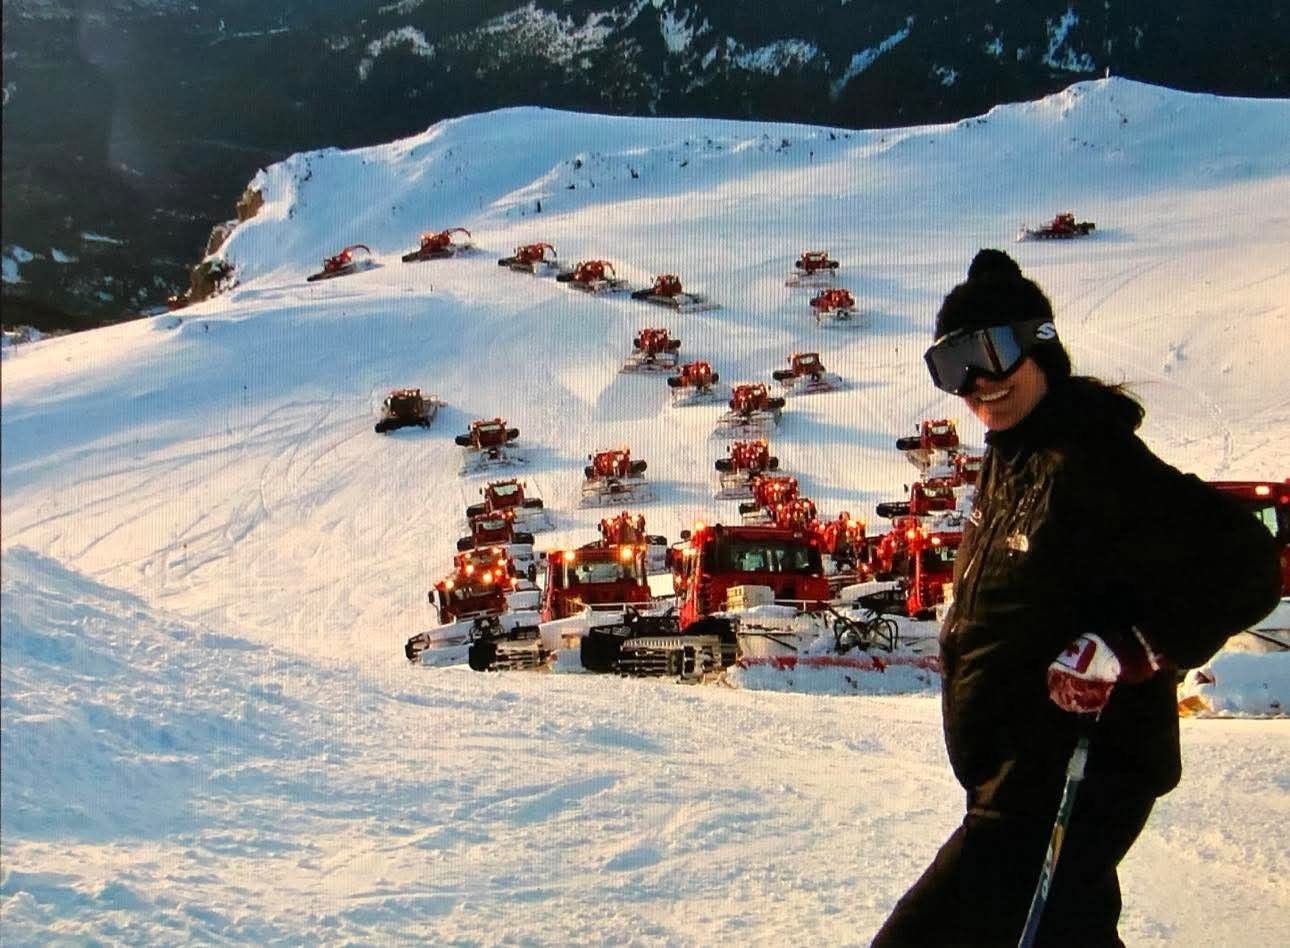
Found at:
(166, 783)
(235, 452)
(211, 561)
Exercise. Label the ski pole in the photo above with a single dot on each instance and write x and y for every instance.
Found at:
(1074, 774)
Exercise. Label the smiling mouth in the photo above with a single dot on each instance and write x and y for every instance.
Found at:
(993, 396)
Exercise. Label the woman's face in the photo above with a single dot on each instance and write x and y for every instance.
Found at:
(1000, 404)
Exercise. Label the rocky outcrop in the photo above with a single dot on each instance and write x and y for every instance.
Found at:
(248, 205)
(208, 278)
(219, 234)
(214, 274)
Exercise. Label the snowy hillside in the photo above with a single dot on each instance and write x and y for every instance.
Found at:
(211, 561)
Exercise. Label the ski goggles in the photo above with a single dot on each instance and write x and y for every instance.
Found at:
(958, 358)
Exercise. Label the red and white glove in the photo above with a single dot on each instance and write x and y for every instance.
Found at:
(1081, 678)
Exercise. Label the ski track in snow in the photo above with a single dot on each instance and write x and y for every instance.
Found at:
(211, 561)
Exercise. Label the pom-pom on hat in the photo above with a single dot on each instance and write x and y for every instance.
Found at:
(996, 293)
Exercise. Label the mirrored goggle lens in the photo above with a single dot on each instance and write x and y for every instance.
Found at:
(955, 360)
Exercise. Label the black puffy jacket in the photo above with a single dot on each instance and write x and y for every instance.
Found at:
(1077, 527)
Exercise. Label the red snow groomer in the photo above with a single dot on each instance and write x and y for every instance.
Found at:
(436, 245)
(806, 375)
(653, 350)
(627, 529)
(746, 460)
(1269, 503)
(487, 444)
(508, 496)
(834, 306)
(932, 496)
(752, 410)
(711, 560)
(493, 529)
(477, 585)
(531, 258)
(936, 441)
(1061, 227)
(596, 575)
(407, 406)
(812, 268)
(843, 540)
(667, 291)
(922, 558)
(593, 276)
(613, 477)
(468, 600)
(967, 468)
(799, 513)
(768, 491)
(706, 565)
(353, 259)
(623, 528)
(694, 383)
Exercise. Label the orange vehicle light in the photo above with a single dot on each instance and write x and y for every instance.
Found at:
(447, 585)
(570, 556)
(1262, 490)
(470, 569)
(487, 577)
(625, 553)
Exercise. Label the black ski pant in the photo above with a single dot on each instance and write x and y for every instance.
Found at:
(977, 890)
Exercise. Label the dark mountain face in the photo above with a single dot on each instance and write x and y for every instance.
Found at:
(131, 126)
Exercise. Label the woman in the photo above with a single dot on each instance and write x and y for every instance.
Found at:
(1089, 570)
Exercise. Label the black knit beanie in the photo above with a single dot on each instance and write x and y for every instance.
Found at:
(995, 294)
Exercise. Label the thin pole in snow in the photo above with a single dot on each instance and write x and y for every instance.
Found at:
(1074, 774)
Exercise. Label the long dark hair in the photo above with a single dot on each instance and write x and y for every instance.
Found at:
(1107, 402)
